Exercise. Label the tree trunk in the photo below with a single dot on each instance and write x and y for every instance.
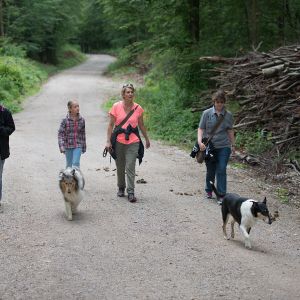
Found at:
(194, 18)
(281, 22)
(252, 13)
(1, 19)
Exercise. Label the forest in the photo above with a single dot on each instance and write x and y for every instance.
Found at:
(161, 42)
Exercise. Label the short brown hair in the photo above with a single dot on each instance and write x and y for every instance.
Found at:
(219, 95)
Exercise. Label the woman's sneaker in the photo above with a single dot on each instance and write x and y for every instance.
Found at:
(131, 198)
(209, 195)
(121, 192)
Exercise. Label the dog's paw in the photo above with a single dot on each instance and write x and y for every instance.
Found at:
(232, 235)
(248, 245)
(226, 237)
(70, 218)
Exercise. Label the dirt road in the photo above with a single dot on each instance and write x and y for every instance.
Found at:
(165, 246)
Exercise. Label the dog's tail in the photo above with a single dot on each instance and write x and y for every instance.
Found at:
(215, 189)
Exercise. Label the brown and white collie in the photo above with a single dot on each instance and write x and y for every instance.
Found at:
(71, 183)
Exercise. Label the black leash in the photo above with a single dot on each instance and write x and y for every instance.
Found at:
(104, 154)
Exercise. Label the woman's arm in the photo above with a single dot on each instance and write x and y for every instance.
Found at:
(110, 127)
(144, 131)
(200, 136)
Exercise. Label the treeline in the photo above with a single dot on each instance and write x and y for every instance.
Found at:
(221, 26)
(226, 26)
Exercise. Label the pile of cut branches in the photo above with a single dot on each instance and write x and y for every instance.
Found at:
(267, 87)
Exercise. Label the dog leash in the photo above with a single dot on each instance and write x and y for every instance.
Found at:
(104, 154)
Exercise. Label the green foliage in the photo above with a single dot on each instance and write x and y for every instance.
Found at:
(238, 165)
(109, 103)
(125, 59)
(92, 35)
(165, 118)
(17, 78)
(7, 48)
(69, 56)
(283, 194)
(42, 27)
(253, 142)
(295, 155)
(20, 77)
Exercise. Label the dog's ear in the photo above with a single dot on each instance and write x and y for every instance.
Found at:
(61, 175)
(265, 200)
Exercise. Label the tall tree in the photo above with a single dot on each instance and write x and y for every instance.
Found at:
(252, 18)
(194, 16)
(1, 19)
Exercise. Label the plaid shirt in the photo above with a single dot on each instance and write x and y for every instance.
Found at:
(71, 134)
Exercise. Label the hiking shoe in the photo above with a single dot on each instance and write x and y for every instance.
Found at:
(131, 198)
(121, 192)
(209, 195)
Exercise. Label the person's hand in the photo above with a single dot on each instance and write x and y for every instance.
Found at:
(108, 145)
(147, 143)
(202, 146)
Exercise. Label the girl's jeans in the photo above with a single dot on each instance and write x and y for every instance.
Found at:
(126, 159)
(1, 171)
(73, 157)
(216, 168)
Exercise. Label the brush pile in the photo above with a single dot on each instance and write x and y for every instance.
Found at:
(267, 88)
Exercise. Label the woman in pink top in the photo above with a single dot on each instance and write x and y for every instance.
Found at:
(125, 140)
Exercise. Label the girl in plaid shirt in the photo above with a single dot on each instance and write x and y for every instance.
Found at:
(71, 135)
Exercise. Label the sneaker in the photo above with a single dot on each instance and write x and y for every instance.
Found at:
(121, 192)
(131, 198)
(209, 195)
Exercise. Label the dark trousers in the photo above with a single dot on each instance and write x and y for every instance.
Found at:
(216, 169)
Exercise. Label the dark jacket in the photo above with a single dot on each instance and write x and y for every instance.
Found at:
(7, 127)
(127, 132)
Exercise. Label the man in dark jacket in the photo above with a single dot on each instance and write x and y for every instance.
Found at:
(7, 127)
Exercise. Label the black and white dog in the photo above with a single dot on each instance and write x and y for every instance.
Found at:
(244, 211)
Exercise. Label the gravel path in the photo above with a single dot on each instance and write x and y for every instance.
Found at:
(168, 245)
